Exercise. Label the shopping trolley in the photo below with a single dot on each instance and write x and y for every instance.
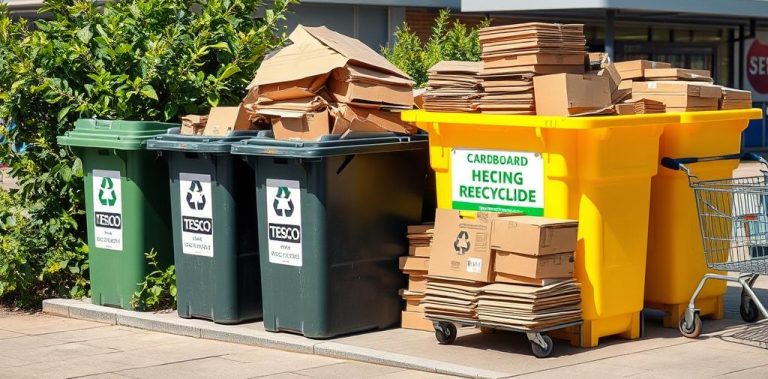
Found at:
(733, 219)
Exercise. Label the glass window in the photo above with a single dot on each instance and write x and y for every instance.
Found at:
(660, 34)
(681, 35)
(714, 35)
(631, 34)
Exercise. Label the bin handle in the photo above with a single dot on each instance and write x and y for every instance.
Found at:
(680, 163)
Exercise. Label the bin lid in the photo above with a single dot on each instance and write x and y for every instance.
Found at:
(330, 145)
(425, 119)
(113, 134)
(173, 140)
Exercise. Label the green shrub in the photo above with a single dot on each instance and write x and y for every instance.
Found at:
(448, 41)
(137, 60)
(158, 290)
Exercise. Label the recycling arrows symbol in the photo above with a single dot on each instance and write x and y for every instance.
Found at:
(462, 244)
(195, 197)
(283, 204)
(107, 195)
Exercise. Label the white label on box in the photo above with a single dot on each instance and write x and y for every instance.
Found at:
(284, 229)
(474, 265)
(107, 210)
(497, 181)
(651, 85)
(196, 214)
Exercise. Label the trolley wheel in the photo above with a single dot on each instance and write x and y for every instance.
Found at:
(748, 310)
(445, 332)
(543, 352)
(692, 331)
(487, 330)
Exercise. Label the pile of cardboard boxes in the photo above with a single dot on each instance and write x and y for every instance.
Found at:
(415, 266)
(453, 87)
(506, 270)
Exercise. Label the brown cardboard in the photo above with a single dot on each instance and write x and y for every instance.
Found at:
(678, 74)
(417, 283)
(499, 277)
(614, 78)
(416, 320)
(636, 69)
(534, 235)
(193, 124)
(223, 120)
(679, 100)
(569, 94)
(318, 51)
(349, 84)
(538, 267)
(461, 246)
(414, 264)
(306, 87)
(358, 118)
(301, 126)
(412, 305)
(696, 89)
(534, 59)
(419, 251)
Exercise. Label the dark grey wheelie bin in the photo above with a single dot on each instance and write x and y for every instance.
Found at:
(332, 218)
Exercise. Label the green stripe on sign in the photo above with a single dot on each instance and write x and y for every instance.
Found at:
(466, 206)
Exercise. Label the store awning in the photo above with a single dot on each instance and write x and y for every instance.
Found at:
(720, 11)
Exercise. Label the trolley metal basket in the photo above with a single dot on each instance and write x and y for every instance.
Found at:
(733, 219)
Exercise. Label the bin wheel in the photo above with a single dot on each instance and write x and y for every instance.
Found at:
(692, 331)
(445, 332)
(748, 310)
(543, 352)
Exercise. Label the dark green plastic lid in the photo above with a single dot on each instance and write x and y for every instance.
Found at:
(113, 134)
(330, 145)
(174, 141)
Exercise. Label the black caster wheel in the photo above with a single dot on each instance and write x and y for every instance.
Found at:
(691, 331)
(543, 352)
(445, 332)
(748, 310)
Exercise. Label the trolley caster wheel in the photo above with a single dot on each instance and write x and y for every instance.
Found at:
(692, 331)
(445, 332)
(748, 310)
(543, 352)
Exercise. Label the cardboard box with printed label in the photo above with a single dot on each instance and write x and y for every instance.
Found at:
(534, 235)
(550, 266)
(570, 94)
(461, 246)
(223, 120)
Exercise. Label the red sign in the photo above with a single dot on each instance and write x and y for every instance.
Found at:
(757, 66)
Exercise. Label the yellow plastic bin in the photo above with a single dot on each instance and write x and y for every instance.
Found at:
(675, 254)
(594, 169)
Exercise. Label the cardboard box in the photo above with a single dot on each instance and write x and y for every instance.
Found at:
(678, 87)
(636, 69)
(305, 126)
(534, 235)
(193, 124)
(417, 283)
(570, 94)
(499, 277)
(679, 100)
(414, 264)
(678, 74)
(614, 78)
(551, 266)
(351, 83)
(534, 59)
(414, 305)
(419, 251)
(223, 120)
(416, 320)
(461, 246)
(370, 119)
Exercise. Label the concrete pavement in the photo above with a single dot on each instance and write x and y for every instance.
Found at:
(45, 346)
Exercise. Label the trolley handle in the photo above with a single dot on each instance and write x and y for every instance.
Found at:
(679, 163)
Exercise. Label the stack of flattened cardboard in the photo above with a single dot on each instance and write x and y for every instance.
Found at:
(327, 83)
(678, 74)
(641, 106)
(679, 96)
(453, 87)
(415, 265)
(513, 54)
(529, 307)
(735, 99)
(452, 299)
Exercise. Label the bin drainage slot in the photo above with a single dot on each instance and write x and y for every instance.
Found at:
(347, 161)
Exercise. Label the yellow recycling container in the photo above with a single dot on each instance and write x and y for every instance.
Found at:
(594, 169)
(675, 253)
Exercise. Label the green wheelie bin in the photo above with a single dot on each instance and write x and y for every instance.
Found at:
(215, 234)
(127, 216)
(332, 217)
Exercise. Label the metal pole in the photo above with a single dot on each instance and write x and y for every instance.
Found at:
(741, 56)
(610, 14)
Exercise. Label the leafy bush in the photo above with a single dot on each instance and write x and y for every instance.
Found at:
(158, 290)
(135, 59)
(448, 41)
